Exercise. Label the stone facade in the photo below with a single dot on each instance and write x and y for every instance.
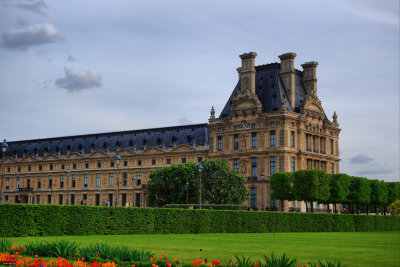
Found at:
(273, 121)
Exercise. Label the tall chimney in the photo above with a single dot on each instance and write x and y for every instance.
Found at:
(310, 77)
(248, 72)
(288, 76)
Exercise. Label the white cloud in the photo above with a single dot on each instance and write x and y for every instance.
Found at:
(361, 159)
(35, 35)
(184, 121)
(34, 7)
(79, 80)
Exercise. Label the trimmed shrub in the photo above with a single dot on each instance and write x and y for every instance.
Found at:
(51, 220)
(207, 206)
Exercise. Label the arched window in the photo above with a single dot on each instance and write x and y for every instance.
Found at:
(253, 198)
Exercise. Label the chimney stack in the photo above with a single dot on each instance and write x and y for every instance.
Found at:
(288, 76)
(247, 73)
(310, 77)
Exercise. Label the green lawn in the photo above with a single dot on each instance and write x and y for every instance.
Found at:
(353, 249)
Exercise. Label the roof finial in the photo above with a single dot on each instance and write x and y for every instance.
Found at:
(212, 112)
(335, 118)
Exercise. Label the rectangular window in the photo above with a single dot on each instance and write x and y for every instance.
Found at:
(125, 162)
(28, 182)
(236, 127)
(111, 179)
(331, 146)
(183, 159)
(48, 199)
(320, 145)
(124, 179)
(236, 141)
(153, 161)
(73, 180)
(6, 198)
(72, 199)
(98, 180)
(60, 199)
(236, 164)
(314, 165)
(292, 164)
(168, 160)
(272, 124)
(199, 158)
(219, 143)
(39, 182)
(272, 164)
(220, 129)
(62, 166)
(139, 178)
(50, 181)
(29, 168)
(19, 168)
(99, 164)
(292, 138)
(85, 180)
(139, 162)
(272, 138)
(253, 140)
(307, 144)
(74, 165)
(37, 199)
(61, 181)
(51, 167)
(8, 183)
(254, 167)
(123, 199)
(17, 184)
(86, 165)
(253, 126)
(333, 167)
(313, 144)
(112, 164)
(8, 169)
(85, 197)
(40, 167)
(97, 199)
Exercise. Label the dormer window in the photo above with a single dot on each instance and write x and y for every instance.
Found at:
(174, 139)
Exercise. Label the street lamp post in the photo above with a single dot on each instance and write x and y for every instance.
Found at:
(68, 173)
(187, 192)
(262, 190)
(133, 190)
(200, 170)
(4, 147)
(118, 161)
(232, 194)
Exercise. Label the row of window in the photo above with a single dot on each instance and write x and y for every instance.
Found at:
(100, 163)
(254, 126)
(317, 144)
(124, 180)
(272, 140)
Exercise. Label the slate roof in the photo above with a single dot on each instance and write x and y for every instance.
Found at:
(270, 89)
(156, 137)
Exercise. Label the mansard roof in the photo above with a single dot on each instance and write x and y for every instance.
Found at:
(270, 89)
(139, 139)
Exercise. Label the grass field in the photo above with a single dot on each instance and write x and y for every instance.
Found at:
(352, 249)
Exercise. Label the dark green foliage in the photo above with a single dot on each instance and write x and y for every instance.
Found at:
(168, 185)
(282, 186)
(393, 191)
(86, 220)
(359, 191)
(283, 261)
(221, 184)
(62, 248)
(339, 188)
(311, 185)
(5, 244)
(207, 206)
(379, 193)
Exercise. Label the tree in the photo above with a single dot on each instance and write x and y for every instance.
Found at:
(393, 192)
(168, 185)
(359, 192)
(310, 185)
(338, 188)
(282, 186)
(221, 184)
(379, 193)
(395, 207)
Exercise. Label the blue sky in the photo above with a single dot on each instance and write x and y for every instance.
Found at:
(72, 67)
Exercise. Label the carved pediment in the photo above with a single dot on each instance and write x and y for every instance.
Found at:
(28, 158)
(313, 104)
(98, 154)
(50, 157)
(245, 103)
(9, 160)
(244, 125)
(125, 152)
(152, 150)
(183, 148)
(73, 156)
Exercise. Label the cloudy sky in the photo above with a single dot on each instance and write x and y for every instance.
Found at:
(70, 67)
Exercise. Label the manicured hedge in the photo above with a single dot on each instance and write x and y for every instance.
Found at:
(56, 220)
(207, 206)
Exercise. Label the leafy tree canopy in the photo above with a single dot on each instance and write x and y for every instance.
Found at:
(311, 185)
(359, 190)
(339, 188)
(282, 185)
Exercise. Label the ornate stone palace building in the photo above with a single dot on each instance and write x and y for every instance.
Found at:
(273, 121)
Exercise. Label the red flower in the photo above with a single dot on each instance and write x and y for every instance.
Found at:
(168, 264)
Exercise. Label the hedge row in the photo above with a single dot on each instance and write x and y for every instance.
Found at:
(207, 206)
(57, 220)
